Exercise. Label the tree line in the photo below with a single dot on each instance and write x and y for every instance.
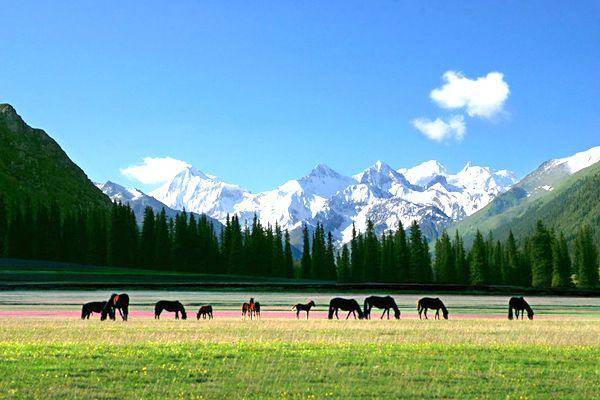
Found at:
(190, 243)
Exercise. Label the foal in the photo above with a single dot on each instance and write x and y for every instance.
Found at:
(205, 311)
(303, 307)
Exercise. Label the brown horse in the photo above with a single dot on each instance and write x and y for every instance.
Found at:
(118, 302)
(257, 309)
(248, 308)
(303, 307)
(205, 311)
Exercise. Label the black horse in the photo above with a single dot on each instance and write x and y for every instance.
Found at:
(436, 304)
(349, 305)
(303, 307)
(257, 309)
(204, 312)
(95, 307)
(381, 302)
(119, 302)
(519, 305)
(172, 306)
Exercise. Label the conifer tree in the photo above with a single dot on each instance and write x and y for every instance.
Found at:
(541, 267)
(461, 266)
(402, 255)
(561, 262)
(512, 271)
(586, 259)
(288, 257)
(479, 261)
(305, 262)
(372, 257)
(3, 225)
(444, 260)
(330, 258)
(344, 265)
(417, 272)
(148, 240)
(163, 242)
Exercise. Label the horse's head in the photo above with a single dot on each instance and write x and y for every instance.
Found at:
(397, 314)
(183, 313)
(530, 313)
(445, 313)
(83, 312)
(311, 303)
(361, 315)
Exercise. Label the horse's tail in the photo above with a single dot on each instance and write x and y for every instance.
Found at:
(419, 305)
(367, 308)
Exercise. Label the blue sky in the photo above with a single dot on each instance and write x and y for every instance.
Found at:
(258, 93)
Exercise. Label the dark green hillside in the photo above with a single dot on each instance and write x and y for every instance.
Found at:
(34, 168)
(573, 203)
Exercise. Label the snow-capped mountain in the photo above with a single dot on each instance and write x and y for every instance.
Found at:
(138, 201)
(552, 172)
(427, 193)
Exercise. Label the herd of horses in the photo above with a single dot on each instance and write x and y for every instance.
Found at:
(517, 306)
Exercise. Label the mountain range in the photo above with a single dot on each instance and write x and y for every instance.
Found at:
(426, 193)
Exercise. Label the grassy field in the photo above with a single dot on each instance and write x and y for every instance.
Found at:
(468, 356)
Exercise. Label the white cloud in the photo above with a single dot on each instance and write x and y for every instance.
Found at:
(482, 97)
(440, 130)
(154, 170)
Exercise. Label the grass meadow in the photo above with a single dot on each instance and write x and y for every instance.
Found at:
(477, 353)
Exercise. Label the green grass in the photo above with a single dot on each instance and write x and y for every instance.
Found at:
(277, 358)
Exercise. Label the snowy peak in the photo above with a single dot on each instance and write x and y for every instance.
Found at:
(577, 161)
(323, 181)
(423, 173)
(119, 193)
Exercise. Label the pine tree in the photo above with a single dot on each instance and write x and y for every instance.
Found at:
(330, 258)
(402, 255)
(561, 262)
(461, 266)
(288, 257)
(444, 260)
(512, 271)
(479, 261)
(163, 243)
(148, 240)
(417, 272)
(344, 265)
(356, 270)
(542, 257)
(305, 262)
(372, 257)
(586, 259)
(3, 225)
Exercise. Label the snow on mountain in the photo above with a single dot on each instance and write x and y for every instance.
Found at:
(427, 193)
(576, 162)
(138, 201)
(198, 192)
(423, 173)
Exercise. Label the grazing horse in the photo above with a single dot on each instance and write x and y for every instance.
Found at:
(381, 302)
(519, 305)
(172, 306)
(349, 305)
(303, 307)
(430, 303)
(205, 311)
(248, 308)
(257, 309)
(119, 302)
(95, 307)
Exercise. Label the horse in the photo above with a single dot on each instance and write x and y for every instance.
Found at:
(119, 302)
(248, 308)
(205, 311)
(381, 302)
(430, 303)
(95, 307)
(172, 306)
(519, 304)
(349, 305)
(257, 309)
(303, 307)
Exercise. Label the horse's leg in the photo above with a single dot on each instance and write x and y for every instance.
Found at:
(307, 311)
(336, 313)
(425, 312)
(437, 314)
(388, 312)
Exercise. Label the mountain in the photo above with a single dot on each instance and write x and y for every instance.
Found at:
(34, 167)
(561, 192)
(138, 201)
(380, 193)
